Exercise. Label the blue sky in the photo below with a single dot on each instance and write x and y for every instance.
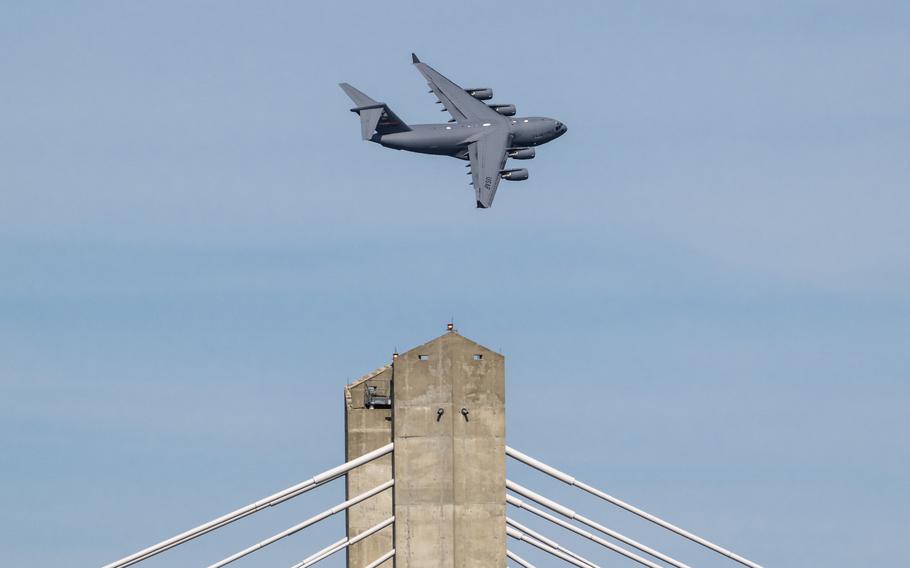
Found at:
(703, 291)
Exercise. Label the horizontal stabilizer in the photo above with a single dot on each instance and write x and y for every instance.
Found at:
(369, 119)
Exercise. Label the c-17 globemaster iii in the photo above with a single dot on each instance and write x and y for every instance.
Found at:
(485, 134)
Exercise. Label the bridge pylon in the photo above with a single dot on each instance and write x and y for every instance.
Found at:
(443, 406)
(425, 478)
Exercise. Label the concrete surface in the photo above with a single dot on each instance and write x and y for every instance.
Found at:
(449, 497)
(365, 430)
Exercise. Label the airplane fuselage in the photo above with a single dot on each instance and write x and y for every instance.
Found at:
(452, 139)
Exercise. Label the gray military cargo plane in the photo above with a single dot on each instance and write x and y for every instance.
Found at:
(485, 134)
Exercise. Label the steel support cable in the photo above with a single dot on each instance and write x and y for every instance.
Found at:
(328, 549)
(568, 479)
(299, 527)
(548, 541)
(518, 560)
(270, 501)
(381, 559)
(518, 535)
(343, 543)
(569, 513)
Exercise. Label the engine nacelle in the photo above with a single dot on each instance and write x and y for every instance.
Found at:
(521, 153)
(505, 110)
(481, 93)
(514, 175)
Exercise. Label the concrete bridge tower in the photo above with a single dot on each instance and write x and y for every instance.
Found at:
(425, 477)
(443, 405)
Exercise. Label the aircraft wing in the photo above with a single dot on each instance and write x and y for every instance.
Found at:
(462, 106)
(488, 156)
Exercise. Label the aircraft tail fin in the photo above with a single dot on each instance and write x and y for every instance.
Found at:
(358, 97)
(374, 116)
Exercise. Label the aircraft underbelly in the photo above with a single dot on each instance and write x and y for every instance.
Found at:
(425, 141)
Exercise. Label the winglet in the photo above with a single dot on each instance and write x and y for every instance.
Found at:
(414, 58)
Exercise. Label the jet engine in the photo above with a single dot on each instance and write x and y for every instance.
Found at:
(514, 175)
(481, 93)
(507, 110)
(521, 153)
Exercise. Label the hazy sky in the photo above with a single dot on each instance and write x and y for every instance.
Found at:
(703, 291)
